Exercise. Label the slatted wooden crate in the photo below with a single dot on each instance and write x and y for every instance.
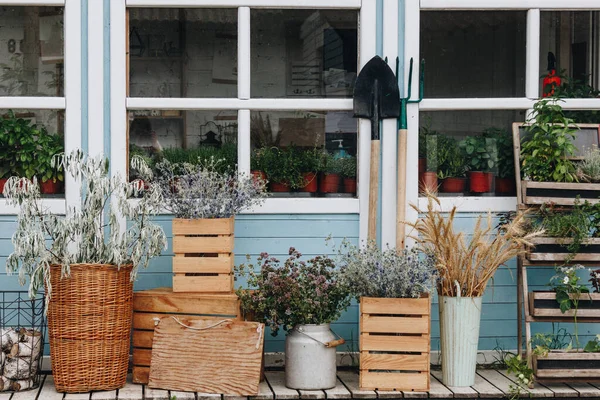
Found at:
(543, 304)
(203, 259)
(161, 302)
(561, 193)
(567, 366)
(395, 343)
(555, 250)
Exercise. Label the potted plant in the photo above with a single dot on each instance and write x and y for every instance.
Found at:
(393, 289)
(51, 179)
(424, 132)
(302, 298)
(349, 170)
(452, 168)
(204, 205)
(309, 164)
(86, 270)
(257, 168)
(482, 155)
(465, 265)
(505, 177)
(429, 181)
(282, 169)
(331, 174)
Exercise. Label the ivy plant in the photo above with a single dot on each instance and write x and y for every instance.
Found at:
(481, 152)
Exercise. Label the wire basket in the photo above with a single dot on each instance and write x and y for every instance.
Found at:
(22, 327)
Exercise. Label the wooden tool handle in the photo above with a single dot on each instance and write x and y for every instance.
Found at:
(401, 194)
(373, 189)
(335, 343)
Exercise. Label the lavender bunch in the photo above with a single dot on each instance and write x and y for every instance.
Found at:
(372, 272)
(202, 191)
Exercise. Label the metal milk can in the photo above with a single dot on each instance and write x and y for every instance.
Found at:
(310, 361)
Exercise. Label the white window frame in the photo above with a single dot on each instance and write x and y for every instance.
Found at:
(243, 104)
(532, 81)
(70, 103)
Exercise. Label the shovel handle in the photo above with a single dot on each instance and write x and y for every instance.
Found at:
(401, 195)
(373, 189)
(335, 343)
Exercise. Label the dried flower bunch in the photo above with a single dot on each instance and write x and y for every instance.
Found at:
(373, 272)
(85, 234)
(589, 168)
(466, 266)
(204, 191)
(295, 293)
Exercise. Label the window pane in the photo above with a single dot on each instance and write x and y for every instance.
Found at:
(305, 153)
(570, 54)
(473, 53)
(28, 140)
(182, 52)
(304, 53)
(474, 146)
(31, 51)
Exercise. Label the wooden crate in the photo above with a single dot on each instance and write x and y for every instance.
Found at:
(203, 259)
(561, 193)
(555, 250)
(543, 304)
(395, 343)
(161, 302)
(565, 366)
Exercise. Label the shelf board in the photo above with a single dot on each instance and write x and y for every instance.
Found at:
(162, 58)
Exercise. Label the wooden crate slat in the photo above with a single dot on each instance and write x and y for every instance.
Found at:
(533, 256)
(391, 381)
(400, 362)
(143, 339)
(375, 305)
(219, 283)
(145, 321)
(142, 357)
(375, 324)
(561, 201)
(563, 355)
(219, 244)
(561, 185)
(140, 374)
(215, 226)
(163, 300)
(556, 240)
(554, 312)
(395, 343)
(568, 373)
(199, 265)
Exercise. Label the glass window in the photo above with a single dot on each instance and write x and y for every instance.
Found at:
(182, 52)
(473, 53)
(31, 51)
(467, 152)
(303, 53)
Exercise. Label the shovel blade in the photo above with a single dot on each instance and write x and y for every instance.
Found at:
(376, 73)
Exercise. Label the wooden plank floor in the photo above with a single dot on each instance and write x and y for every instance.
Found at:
(488, 384)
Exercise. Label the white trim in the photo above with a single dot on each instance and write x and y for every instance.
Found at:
(95, 78)
(57, 3)
(35, 103)
(55, 206)
(580, 104)
(337, 4)
(244, 141)
(307, 206)
(366, 50)
(142, 103)
(532, 57)
(511, 103)
(244, 57)
(509, 4)
(389, 134)
(474, 204)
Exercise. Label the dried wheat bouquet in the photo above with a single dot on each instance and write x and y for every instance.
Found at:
(466, 265)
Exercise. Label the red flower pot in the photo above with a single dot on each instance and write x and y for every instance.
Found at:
(51, 187)
(279, 187)
(505, 186)
(480, 182)
(453, 185)
(2, 183)
(310, 182)
(429, 182)
(422, 165)
(258, 175)
(349, 185)
(330, 183)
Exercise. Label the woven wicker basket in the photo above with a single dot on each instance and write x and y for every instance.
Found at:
(89, 327)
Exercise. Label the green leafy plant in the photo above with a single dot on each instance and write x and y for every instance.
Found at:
(282, 165)
(431, 152)
(349, 167)
(548, 144)
(310, 160)
(332, 164)
(577, 88)
(204, 155)
(424, 132)
(453, 163)
(589, 168)
(481, 152)
(559, 339)
(518, 366)
(504, 150)
(593, 346)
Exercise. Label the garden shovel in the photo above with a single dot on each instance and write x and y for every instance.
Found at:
(376, 96)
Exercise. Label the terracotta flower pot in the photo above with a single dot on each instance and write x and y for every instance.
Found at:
(50, 187)
(505, 186)
(480, 182)
(279, 187)
(422, 165)
(453, 185)
(330, 183)
(258, 175)
(310, 182)
(2, 183)
(429, 182)
(349, 185)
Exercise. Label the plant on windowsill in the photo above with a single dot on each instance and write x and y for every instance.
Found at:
(505, 177)
(51, 179)
(429, 180)
(387, 282)
(482, 156)
(331, 176)
(282, 167)
(302, 298)
(86, 260)
(349, 171)
(309, 164)
(452, 168)
(257, 168)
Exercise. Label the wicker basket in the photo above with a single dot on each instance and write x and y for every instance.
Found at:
(89, 327)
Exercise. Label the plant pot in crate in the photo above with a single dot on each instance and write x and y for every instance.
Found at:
(203, 251)
(480, 182)
(394, 343)
(429, 182)
(565, 366)
(349, 185)
(453, 185)
(51, 187)
(89, 327)
(310, 182)
(279, 187)
(330, 183)
(553, 250)
(505, 186)
(544, 304)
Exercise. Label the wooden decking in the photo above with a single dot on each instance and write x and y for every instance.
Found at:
(489, 384)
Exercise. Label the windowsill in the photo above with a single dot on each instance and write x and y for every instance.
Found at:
(54, 205)
(474, 204)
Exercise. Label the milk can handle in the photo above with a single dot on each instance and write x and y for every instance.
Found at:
(333, 343)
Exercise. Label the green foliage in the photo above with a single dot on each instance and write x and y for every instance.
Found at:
(569, 289)
(559, 339)
(480, 151)
(310, 160)
(332, 164)
(204, 155)
(517, 366)
(431, 152)
(504, 150)
(589, 167)
(576, 88)
(349, 167)
(453, 163)
(548, 144)
(593, 346)
(282, 165)
(424, 132)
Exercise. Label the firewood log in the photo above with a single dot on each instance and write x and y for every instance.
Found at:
(8, 336)
(19, 368)
(21, 385)
(4, 384)
(2, 360)
(29, 346)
